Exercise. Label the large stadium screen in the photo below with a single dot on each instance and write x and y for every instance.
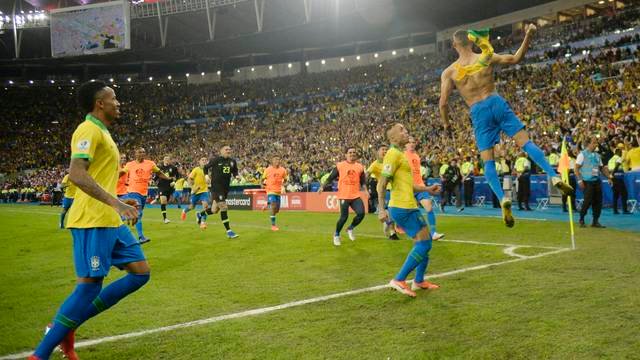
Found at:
(90, 29)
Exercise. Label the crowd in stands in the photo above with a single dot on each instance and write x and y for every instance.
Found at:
(309, 119)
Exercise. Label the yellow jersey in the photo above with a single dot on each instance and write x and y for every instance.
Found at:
(91, 140)
(69, 187)
(375, 169)
(179, 186)
(467, 168)
(396, 166)
(522, 164)
(633, 159)
(199, 181)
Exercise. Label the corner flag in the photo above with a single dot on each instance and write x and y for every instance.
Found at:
(563, 168)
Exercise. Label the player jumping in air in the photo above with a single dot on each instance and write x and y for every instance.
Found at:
(472, 75)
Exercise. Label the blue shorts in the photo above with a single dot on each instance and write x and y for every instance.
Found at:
(177, 194)
(410, 220)
(141, 199)
(489, 117)
(273, 199)
(67, 202)
(198, 198)
(95, 250)
(423, 196)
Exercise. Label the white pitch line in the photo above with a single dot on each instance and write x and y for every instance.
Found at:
(290, 229)
(439, 214)
(488, 216)
(269, 309)
(511, 252)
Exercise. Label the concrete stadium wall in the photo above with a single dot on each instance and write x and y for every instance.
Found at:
(549, 9)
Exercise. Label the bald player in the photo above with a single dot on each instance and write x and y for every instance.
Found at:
(472, 75)
(221, 169)
(403, 209)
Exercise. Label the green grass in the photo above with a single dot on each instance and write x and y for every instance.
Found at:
(574, 304)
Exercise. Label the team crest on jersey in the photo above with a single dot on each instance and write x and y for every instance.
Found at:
(83, 145)
(95, 263)
(387, 168)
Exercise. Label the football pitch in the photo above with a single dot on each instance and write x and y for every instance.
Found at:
(505, 293)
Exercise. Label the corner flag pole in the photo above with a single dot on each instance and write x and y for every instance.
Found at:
(564, 170)
(573, 237)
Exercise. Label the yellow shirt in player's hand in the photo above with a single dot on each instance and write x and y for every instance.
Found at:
(69, 187)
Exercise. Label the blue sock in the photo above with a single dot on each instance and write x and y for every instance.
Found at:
(139, 228)
(492, 178)
(72, 313)
(273, 220)
(537, 156)
(116, 291)
(422, 268)
(415, 257)
(431, 219)
(139, 224)
(186, 210)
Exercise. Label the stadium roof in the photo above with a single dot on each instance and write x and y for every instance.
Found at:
(356, 25)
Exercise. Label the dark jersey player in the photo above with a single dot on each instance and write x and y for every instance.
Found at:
(165, 186)
(220, 170)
